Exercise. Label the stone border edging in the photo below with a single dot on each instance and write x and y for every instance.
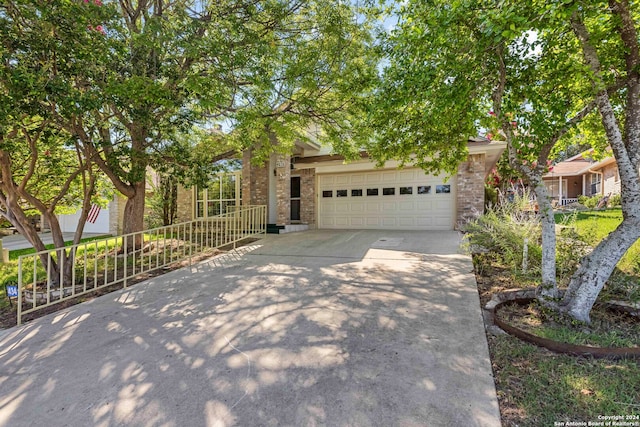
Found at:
(525, 297)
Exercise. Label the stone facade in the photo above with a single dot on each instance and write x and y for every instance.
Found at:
(184, 204)
(307, 196)
(283, 189)
(116, 214)
(255, 182)
(470, 189)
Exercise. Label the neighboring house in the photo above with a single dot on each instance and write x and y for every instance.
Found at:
(106, 220)
(314, 189)
(581, 175)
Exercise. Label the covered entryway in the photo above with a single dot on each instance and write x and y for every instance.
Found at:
(404, 199)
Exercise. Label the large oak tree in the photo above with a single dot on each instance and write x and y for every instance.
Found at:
(127, 77)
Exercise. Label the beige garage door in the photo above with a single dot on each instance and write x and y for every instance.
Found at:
(388, 199)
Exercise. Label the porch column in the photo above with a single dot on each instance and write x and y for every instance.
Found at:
(584, 185)
(560, 195)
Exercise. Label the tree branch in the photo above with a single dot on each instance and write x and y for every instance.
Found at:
(629, 37)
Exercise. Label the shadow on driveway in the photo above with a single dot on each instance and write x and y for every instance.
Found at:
(346, 328)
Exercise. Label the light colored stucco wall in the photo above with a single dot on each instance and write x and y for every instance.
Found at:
(610, 179)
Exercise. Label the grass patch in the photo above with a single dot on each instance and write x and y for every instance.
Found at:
(593, 226)
(536, 387)
(608, 328)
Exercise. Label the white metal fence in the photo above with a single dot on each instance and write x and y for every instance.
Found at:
(53, 276)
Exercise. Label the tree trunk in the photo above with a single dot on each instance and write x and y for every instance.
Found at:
(596, 268)
(134, 214)
(548, 289)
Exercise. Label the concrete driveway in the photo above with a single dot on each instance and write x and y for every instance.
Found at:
(336, 328)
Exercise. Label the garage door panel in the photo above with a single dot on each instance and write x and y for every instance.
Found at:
(357, 179)
(407, 206)
(373, 207)
(406, 176)
(373, 178)
(409, 211)
(327, 222)
(424, 205)
(406, 221)
(372, 221)
(388, 207)
(326, 180)
(357, 221)
(341, 179)
(424, 221)
(357, 207)
(343, 208)
(341, 221)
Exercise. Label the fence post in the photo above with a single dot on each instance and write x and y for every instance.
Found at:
(191, 244)
(126, 260)
(19, 308)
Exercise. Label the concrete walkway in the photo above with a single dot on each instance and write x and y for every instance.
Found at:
(336, 328)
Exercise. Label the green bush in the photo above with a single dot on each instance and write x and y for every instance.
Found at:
(503, 229)
(615, 200)
(589, 202)
(490, 197)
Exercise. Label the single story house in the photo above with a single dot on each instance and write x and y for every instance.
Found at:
(581, 175)
(312, 188)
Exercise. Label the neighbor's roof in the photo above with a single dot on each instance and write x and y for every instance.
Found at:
(578, 165)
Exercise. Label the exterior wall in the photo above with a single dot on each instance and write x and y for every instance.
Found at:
(470, 189)
(469, 184)
(574, 186)
(610, 179)
(185, 204)
(308, 197)
(255, 182)
(283, 189)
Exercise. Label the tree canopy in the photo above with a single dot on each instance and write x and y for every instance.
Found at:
(127, 78)
(529, 73)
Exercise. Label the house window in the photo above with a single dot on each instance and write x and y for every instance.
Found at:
(341, 193)
(553, 188)
(443, 189)
(372, 191)
(406, 190)
(356, 193)
(327, 193)
(222, 191)
(389, 191)
(424, 189)
(595, 182)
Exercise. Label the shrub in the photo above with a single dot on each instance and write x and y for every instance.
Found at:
(615, 200)
(490, 197)
(589, 202)
(503, 230)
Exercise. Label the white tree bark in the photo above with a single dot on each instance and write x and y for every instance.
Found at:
(596, 268)
(548, 289)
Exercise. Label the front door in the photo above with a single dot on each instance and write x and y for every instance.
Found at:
(295, 198)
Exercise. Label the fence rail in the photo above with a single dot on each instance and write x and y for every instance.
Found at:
(53, 276)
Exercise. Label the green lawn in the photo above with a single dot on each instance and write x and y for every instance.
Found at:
(539, 388)
(593, 226)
